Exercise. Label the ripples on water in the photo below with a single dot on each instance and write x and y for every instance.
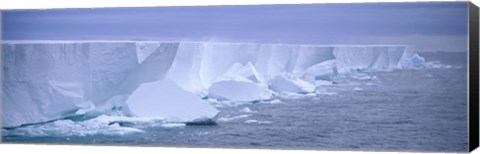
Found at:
(405, 110)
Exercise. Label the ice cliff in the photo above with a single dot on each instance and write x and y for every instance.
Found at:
(44, 81)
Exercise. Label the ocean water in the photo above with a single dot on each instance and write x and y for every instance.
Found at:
(401, 110)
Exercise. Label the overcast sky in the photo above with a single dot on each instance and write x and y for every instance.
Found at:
(427, 26)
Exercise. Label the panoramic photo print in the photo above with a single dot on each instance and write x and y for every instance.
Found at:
(365, 76)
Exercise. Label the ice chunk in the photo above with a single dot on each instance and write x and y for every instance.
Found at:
(296, 96)
(240, 83)
(170, 125)
(257, 122)
(415, 61)
(238, 91)
(239, 72)
(232, 118)
(285, 83)
(218, 57)
(321, 71)
(164, 98)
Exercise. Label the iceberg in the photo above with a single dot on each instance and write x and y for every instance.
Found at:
(322, 71)
(240, 83)
(413, 62)
(50, 80)
(285, 83)
(165, 99)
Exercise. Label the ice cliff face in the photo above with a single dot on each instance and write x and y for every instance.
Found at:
(44, 81)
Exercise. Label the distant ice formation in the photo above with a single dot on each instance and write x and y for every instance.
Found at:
(45, 81)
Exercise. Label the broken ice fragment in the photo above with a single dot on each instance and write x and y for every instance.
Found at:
(284, 83)
(166, 99)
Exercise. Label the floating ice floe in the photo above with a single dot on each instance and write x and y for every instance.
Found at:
(437, 64)
(257, 122)
(295, 96)
(232, 118)
(239, 72)
(272, 101)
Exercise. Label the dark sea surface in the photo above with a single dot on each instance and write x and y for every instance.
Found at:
(402, 110)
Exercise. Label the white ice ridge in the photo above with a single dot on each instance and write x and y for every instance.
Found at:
(48, 80)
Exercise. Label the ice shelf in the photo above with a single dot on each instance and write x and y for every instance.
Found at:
(49, 80)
